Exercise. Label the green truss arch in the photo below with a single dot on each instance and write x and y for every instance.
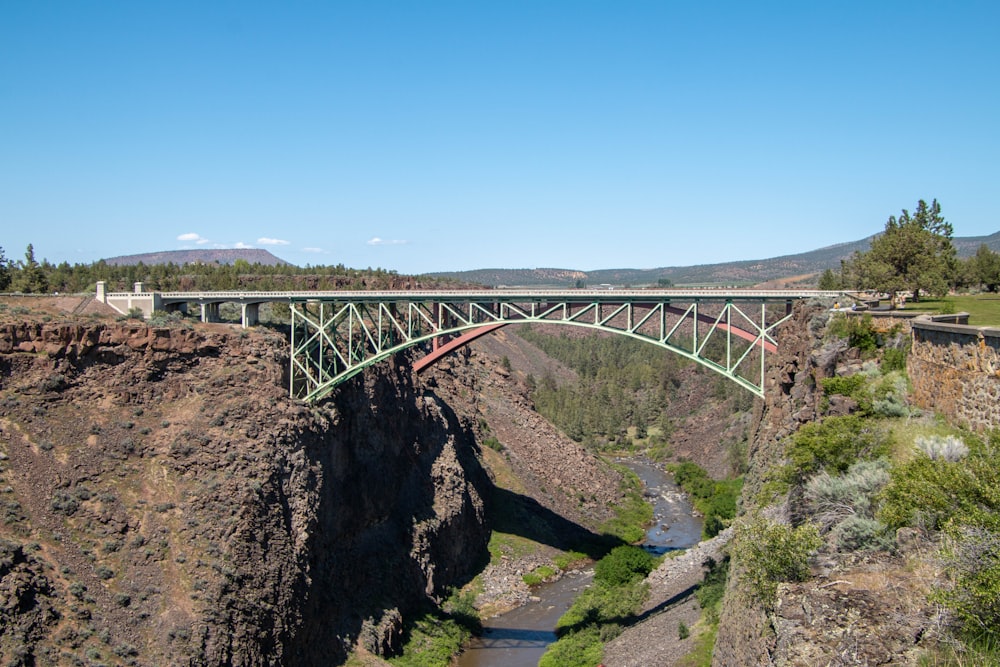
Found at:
(337, 335)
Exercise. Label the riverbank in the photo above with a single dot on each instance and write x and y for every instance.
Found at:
(520, 636)
(656, 639)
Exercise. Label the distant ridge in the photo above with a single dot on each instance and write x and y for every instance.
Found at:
(800, 268)
(181, 257)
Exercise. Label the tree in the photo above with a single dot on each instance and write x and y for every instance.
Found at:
(829, 281)
(984, 268)
(4, 271)
(913, 253)
(31, 277)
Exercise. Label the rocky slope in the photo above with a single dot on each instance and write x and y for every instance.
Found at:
(547, 489)
(165, 502)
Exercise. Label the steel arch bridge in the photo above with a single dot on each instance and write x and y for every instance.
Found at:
(336, 335)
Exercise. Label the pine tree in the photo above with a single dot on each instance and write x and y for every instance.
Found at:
(31, 277)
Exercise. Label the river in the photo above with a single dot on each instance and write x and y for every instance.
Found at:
(519, 637)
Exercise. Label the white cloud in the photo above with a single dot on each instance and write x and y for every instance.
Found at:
(377, 241)
(313, 250)
(243, 246)
(266, 241)
(192, 237)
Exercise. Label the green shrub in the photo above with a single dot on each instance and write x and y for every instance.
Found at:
(493, 444)
(834, 444)
(461, 606)
(928, 493)
(433, 642)
(847, 385)
(771, 553)
(884, 396)
(961, 497)
(565, 560)
(894, 359)
(623, 565)
(538, 575)
(972, 562)
(601, 604)
(859, 331)
(716, 500)
(712, 588)
(889, 395)
(578, 649)
(633, 514)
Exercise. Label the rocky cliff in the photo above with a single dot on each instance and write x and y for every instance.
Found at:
(864, 608)
(165, 502)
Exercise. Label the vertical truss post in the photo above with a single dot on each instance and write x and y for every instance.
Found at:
(763, 349)
(729, 336)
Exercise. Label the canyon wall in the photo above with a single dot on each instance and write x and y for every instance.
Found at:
(165, 502)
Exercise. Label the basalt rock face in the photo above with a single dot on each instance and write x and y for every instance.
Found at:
(746, 635)
(864, 608)
(165, 502)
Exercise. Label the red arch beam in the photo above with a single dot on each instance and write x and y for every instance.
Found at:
(454, 344)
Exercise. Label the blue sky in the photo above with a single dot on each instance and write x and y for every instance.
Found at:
(434, 136)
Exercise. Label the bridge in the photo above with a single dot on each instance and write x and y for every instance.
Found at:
(337, 334)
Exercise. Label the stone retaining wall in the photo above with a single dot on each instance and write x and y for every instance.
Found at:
(955, 370)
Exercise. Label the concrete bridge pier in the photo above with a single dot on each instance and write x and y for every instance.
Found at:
(210, 312)
(177, 308)
(250, 314)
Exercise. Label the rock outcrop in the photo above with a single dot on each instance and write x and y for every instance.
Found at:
(165, 502)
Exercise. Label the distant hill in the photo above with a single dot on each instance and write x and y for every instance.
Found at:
(181, 257)
(803, 266)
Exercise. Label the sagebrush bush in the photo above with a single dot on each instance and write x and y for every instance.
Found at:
(889, 395)
(860, 533)
(834, 498)
(943, 448)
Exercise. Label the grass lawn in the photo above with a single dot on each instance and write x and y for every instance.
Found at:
(983, 309)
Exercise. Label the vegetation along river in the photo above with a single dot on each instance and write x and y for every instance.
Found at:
(519, 637)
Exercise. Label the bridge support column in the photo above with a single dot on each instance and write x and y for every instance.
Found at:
(210, 312)
(251, 314)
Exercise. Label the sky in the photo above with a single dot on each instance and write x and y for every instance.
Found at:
(443, 136)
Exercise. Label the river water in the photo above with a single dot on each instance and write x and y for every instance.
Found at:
(519, 637)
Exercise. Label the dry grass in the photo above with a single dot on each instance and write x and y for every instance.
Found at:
(904, 433)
